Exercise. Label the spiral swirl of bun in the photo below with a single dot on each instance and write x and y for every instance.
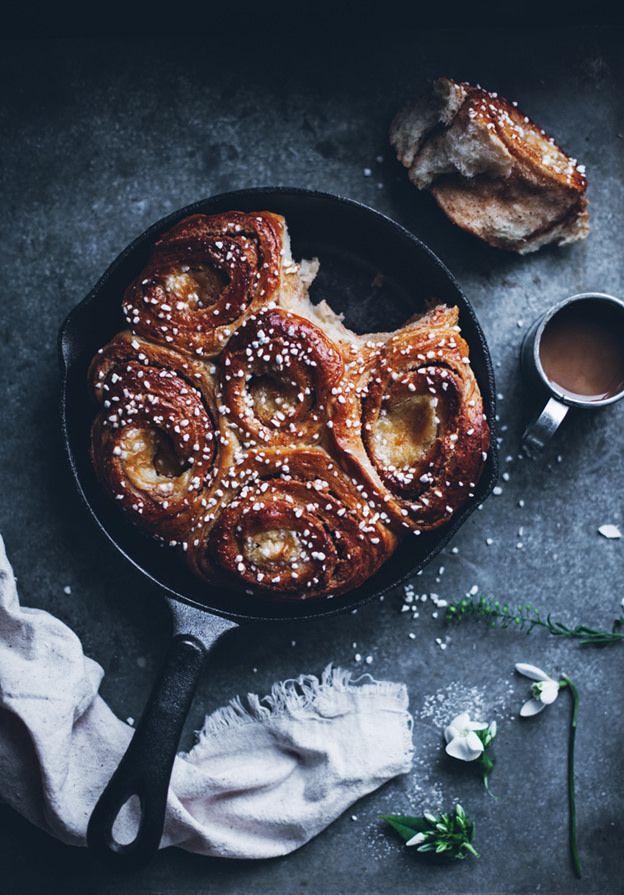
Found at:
(283, 454)
(206, 276)
(412, 425)
(293, 525)
(155, 443)
(278, 373)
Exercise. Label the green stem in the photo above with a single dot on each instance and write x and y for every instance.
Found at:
(487, 766)
(576, 861)
(527, 617)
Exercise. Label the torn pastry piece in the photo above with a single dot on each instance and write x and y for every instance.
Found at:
(492, 170)
(324, 317)
(411, 426)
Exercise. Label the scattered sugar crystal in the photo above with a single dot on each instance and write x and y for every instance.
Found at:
(612, 532)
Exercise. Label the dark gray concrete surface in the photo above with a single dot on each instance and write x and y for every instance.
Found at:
(97, 141)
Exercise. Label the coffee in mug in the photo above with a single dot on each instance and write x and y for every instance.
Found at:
(575, 352)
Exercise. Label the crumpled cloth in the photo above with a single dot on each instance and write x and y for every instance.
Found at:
(264, 777)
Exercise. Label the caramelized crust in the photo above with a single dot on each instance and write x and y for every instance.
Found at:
(412, 425)
(155, 443)
(126, 347)
(539, 157)
(292, 525)
(205, 277)
(277, 377)
(289, 465)
(491, 169)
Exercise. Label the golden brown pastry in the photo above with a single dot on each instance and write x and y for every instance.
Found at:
(206, 276)
(409, 421)
(284, 454)
(278, 373)
(155, 443)
(492, 170)
(292, 525)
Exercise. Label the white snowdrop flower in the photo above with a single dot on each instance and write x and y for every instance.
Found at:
(544, 691)
(462, 741)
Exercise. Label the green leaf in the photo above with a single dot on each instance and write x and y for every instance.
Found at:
(405, 825)
(447, 835)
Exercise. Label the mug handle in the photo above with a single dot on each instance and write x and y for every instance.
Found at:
(538, 433)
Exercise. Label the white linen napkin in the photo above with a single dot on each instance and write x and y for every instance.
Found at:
(262, 780)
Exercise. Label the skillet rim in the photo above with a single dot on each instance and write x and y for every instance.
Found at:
(282, 610)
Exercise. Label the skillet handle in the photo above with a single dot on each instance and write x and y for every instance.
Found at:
(145, 769)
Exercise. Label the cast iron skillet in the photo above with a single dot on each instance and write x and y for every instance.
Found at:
(378, 274)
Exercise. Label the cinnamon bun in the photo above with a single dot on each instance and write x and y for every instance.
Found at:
(206, 276)
(409, 421)
(155, 443)
(278, 374)
(293, 525)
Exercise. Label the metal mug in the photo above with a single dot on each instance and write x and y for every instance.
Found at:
(539, 432)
